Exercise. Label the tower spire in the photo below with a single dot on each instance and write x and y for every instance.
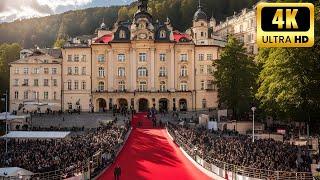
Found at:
(199, 4)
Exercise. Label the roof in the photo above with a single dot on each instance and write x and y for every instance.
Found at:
(178, 36)
(200, 15)
(14, 172)
(38, 57)
(104, 39)
(36, 135)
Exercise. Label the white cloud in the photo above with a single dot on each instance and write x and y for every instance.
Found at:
(53, 4)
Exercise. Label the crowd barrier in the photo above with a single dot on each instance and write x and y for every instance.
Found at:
(234, 172)
(85, 170)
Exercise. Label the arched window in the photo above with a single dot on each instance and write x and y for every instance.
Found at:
(122, 34)
(183, 86)
(122, 86)
(183, 71)
(163, 86)
(163, 72)
(163, 34)
(142, 72)
(142, 86)
(101, 72)
(204, 103)
(101, 86)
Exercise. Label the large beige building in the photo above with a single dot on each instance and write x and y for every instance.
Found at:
(35, 81)
(144, 64)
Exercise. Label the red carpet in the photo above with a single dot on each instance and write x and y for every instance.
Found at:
(151, 154)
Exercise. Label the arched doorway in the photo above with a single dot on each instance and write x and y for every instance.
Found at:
(183, 105)
(143, 105)
(102, 104)
(123, 103)
(163, 105)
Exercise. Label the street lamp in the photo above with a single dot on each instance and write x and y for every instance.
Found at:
(253, 110)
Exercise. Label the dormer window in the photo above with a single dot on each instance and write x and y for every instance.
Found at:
(163, 34)
(122, 34)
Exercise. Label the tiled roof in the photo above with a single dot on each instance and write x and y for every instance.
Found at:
(104, 39)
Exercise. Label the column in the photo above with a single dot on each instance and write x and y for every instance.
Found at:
(110, 72)
(172, 71)
(152, 70)
(133, 69)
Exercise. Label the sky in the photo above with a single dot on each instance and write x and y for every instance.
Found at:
(11, 10)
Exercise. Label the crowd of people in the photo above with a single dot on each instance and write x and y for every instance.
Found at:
(239, 150)
(48, 155)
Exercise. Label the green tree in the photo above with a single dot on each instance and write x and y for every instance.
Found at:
(59, 43)
(235, 78)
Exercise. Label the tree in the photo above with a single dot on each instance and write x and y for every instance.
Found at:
(59, 43)
(235, 78)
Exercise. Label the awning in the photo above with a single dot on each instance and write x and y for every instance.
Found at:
(36, 135)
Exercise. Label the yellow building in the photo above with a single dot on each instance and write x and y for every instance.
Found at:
(144, 64)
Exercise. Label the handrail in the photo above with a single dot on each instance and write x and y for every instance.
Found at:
(235, 169)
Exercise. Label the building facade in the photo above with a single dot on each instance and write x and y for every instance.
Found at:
(143, 64)
(35, 82)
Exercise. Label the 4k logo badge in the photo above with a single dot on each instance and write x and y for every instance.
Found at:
(285, 24)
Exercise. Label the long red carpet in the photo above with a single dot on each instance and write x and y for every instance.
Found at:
(150, 154)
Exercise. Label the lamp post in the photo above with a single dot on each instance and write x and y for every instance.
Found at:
(253, 110)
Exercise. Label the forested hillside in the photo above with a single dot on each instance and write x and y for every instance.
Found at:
(46, 30)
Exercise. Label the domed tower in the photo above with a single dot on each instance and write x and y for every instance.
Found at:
(142, 27)
(200, 24)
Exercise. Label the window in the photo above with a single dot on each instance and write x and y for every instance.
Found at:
(69, 58)
(183, 71)
(142, 86)
(202, 85)
(36, 71)
(209, 57)
(122, 34)
(76, 70)
(46, 61)
(101, 72)
(69, 84)
(122, 86)
(101, 58)
(16, 82)
(46, 82)
(54, 70)
(184, 57)
(84, 58)
(142, 72)
(142, 57)
(25, 70)
(25, 95)
(183, 86)
(162, 57)
(163, 72)
(35, 82)
(202, 34)
(121, 72)
(163, 86)
(46, 95)
(55, 95)
(16, 95)
(121, 57)
(25, 82)
(201, 69)
(70, 106)
(69, 70)
(55, 82)
(76, 58)
(163, 34)
(204, 103)
(210, 69)
(83, 85)
(16, 70)
(46, 70)
(201, 57)
(210, 85)
(76, 85)
(84, 71)
(101, 86)
(36, 95)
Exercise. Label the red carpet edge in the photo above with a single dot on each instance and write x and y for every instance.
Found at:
(202, 169)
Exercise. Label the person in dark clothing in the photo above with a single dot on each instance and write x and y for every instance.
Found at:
(117, 173)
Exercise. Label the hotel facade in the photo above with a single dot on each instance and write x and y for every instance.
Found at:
(141, 64)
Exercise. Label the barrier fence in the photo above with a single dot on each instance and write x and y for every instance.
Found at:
(234, 172)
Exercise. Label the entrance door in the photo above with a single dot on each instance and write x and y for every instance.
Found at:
(163, 105)
(102, 105)
(143, 105)
(183, 105)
